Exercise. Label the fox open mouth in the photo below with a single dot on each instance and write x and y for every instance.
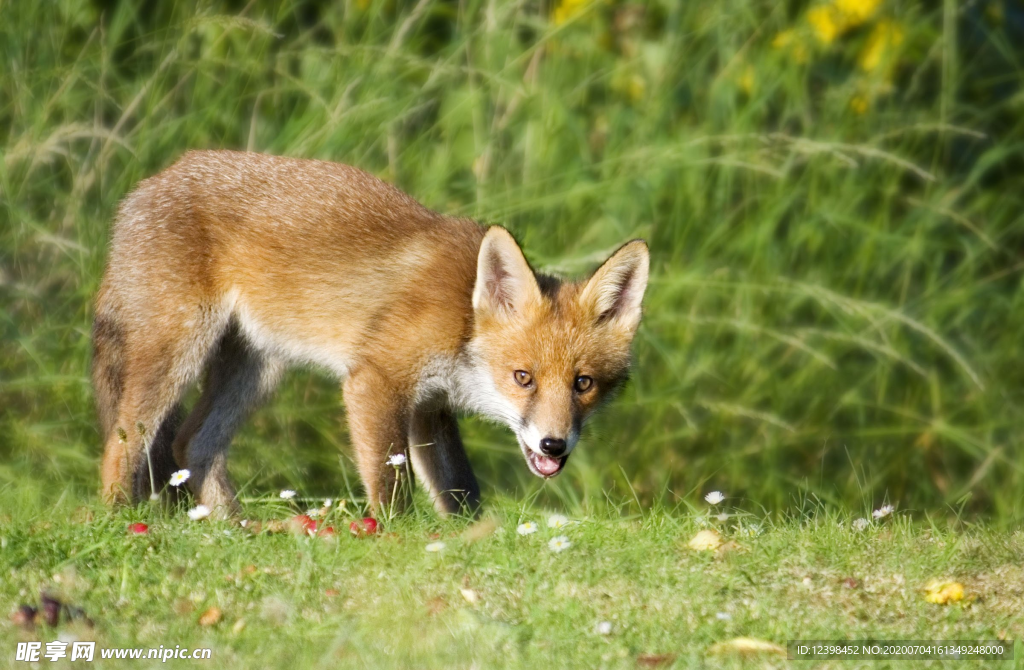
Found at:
(544, 466)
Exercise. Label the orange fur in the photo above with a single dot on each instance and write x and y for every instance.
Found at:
(241, 264)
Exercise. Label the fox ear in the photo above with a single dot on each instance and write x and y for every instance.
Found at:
(504, 281)
(615, 291)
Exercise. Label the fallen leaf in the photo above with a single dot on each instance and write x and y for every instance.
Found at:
(238, 627)
(706, 540)
(481, 529)
(746, 646)
(727, 548)
(471, 596)
(943, 592)
(436, 605)
(851, 583)
(654, 660)
(210, 617)
(272, 526)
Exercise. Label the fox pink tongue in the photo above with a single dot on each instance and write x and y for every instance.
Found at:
(546, 465)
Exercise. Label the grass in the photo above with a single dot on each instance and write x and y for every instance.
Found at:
(505, 599)
(833, 320)
(834, 307)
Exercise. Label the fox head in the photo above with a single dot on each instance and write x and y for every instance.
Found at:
(549, 352)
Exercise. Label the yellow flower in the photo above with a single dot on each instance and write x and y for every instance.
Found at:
(825, 23)
(886, 36)
(856, 12)
(943, 592)
(746, 80)
(783, 39)
(859, 104)
(568, 9)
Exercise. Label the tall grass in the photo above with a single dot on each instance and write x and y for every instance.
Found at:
(835, 308)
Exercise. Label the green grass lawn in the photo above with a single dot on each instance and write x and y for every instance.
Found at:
(492, 597)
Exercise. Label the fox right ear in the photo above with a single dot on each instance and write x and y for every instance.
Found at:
(504, 281)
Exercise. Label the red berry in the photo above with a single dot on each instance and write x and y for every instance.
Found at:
(138, 529)
(303, 523)
(365, 526)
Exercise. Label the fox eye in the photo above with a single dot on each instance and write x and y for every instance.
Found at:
(583, 383)
(523, 378)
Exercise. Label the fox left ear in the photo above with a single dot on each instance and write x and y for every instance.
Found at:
(616, 290)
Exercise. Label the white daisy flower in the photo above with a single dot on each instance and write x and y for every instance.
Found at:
(287, 494)
(558, 521)
(313, 512)
(328, 502)
(199, 512)
(180, 477)
(435, 547)
(396, 460)
(604, 628)
(714, 497)
(882, 512)
(526, 528)
(860, 524)
(723, 517)
(560, 543)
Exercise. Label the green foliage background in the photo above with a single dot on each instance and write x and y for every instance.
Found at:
(835, 308)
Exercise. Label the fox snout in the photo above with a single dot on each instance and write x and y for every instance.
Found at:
(550, 438)
(553, 446)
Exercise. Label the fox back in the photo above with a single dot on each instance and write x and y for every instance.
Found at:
(241, 264)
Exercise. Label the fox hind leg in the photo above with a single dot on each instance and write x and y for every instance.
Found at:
(239, 378)
(160, 463)
(159, 362)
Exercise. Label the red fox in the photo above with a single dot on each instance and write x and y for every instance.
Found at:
(241, 264)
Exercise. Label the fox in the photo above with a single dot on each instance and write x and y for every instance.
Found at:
(227, 268)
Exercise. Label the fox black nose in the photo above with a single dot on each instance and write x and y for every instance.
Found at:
(552, 447)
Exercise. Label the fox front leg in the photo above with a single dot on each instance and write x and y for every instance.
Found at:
(378, 419)
(441, 463)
